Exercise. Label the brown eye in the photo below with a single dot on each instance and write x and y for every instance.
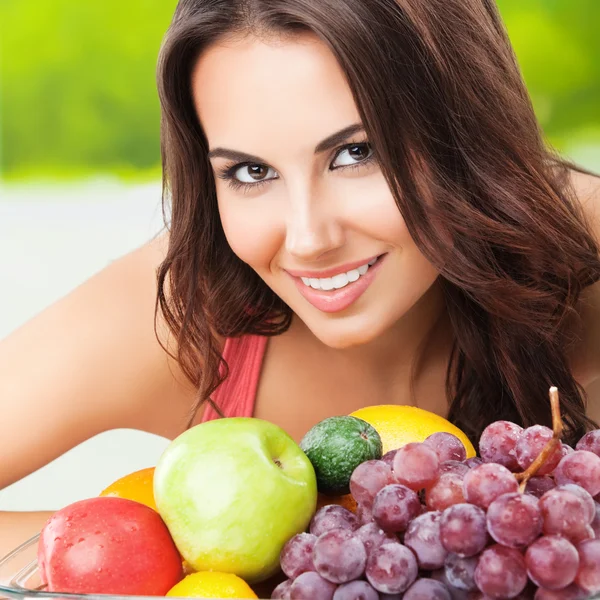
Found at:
(250, 173)
(257, 172)
(353, 154)
(358, 152)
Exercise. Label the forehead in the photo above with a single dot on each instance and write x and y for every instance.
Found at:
(253, 94)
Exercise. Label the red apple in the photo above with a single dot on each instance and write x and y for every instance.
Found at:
(108, 545)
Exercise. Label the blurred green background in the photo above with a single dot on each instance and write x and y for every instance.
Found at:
(78, 94)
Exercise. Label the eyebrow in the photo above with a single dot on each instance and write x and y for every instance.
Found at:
(329, 142)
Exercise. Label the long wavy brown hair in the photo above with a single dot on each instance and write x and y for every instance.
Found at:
(485, 199)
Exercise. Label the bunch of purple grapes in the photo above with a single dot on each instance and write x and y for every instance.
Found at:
(433, 525)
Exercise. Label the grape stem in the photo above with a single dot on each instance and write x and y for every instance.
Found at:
(557, 430)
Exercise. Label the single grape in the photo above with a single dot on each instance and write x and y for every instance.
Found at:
(368, 478)
(497, 444)
(588, 575)
(530, 445)
(463, 529)
(590, 442)
(564, 513)
(514, 519)
(501, 572)
(283, 590)
(538, 486)
(394, 507)
(552, 562)
(582, 468)
(588, 501)
(372, 536)
(571, 592)
(473, 462)
(423, 538)
(454, 466)
(460, 571)
(311, 586)
(427, 589)
(483, 484)
(447, 446)
(445, 492)
(391, 568)
(297, 555)
(416, 466)
(356, 590)
(333, 516)
(388, 457)
(339, 556)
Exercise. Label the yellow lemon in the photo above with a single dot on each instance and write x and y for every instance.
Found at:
(136, 486)
(212, 584)
(400, 425)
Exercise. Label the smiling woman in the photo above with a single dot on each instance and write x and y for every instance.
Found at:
(363, 211)
(315, 203)
(340, 179)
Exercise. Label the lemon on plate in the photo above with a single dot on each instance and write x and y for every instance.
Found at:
(212, 584)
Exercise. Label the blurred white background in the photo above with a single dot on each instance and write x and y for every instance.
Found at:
(52, 238)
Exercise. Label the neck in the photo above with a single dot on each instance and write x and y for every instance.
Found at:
(416, 344)
(396, 352)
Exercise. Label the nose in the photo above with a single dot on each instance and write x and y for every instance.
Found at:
(313, 226)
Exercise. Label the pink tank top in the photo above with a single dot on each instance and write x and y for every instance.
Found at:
(236, 396)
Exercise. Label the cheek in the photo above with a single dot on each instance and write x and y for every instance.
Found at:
(377, 214)
(253, 233)
(387, 221)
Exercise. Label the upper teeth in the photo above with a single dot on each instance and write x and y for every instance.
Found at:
(337, 281)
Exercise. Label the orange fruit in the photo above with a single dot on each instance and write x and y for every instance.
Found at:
(347, 501)
(212, 584)
(400, 425)
(136, 486)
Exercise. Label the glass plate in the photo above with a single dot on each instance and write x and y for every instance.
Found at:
(19, 578)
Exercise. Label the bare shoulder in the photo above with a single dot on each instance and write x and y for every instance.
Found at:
(91, 362)
(165, 408)
(587, 189)
(586, 185)
(164, 395)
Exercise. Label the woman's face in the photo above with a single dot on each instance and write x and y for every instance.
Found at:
(308, 209)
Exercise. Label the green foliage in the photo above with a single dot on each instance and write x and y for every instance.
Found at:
(558, 48)
(78, 86)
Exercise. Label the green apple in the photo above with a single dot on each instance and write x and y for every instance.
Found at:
(232, 492)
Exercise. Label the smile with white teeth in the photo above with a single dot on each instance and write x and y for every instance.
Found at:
(337, 281)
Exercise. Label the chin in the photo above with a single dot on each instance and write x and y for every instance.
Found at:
(345, 332)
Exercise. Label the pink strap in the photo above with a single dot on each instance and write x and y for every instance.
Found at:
(236, 396)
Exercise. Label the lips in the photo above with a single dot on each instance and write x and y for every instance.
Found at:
(337, 300)
(331, 272)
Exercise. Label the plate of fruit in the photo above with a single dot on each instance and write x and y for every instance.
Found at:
(390, 502)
